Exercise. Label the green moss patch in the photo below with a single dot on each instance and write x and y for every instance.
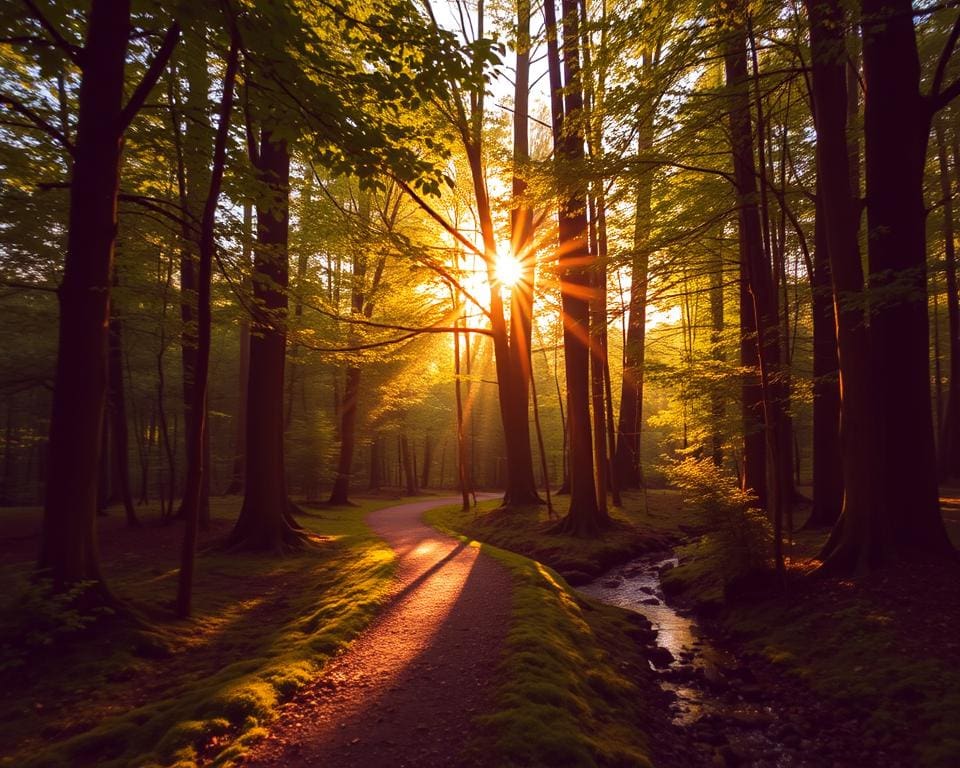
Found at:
(647, 522)
(263, 627)
(574, 688)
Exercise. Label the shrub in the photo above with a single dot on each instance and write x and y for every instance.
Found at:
(741, 534)
(34, 618)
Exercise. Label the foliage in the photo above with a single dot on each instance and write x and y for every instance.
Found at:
(34, 620)
(277, 623)
(739, 534)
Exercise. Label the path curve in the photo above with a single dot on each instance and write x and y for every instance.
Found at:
(406, 691)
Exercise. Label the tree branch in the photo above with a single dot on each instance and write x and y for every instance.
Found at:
(72, 51)
(945, 55)
(150, 77)
(37, 120)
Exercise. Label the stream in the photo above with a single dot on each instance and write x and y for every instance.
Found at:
(717, 699)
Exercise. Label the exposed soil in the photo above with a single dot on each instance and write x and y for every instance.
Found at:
(406, 692)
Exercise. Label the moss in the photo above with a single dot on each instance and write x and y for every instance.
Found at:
(281, 619)
(647, 522)
(849, 653)
(563, 695)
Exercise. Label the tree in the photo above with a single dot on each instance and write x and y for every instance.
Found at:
(265, 520)
(198, 440)
(584, 517)
(68, 550)
(891, 505)
(758, 308)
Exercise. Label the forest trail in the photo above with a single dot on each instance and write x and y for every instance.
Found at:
(407, 690)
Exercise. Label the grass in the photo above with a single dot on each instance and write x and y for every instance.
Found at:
(850, 648)
(263, 626)
(880, 648)
(646, 523)
(573, 686)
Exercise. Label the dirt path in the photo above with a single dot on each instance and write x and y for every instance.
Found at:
(407, 690)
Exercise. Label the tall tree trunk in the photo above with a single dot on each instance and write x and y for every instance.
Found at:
(757, 292)
(860, 425)
(827, 456)
(68, 551)
(584, 517)
(198, 448)
(627, 464)
(361, 304)
(717, 406)
(348, 430)
(265, 520)
(896, 128)
(950, 427)
(375, 464)
(427, 461)
(117, 413)
(521, 487)
(193, 182)
(409, 471)
(240, 436)
(462, 468)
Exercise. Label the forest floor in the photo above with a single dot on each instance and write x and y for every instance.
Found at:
(407, 690)
(80, 691)
(828, 672)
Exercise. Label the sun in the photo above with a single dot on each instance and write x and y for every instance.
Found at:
(508, 269)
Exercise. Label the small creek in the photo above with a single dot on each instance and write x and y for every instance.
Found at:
(715, 695)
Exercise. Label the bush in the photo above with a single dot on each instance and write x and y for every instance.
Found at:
(740, 532)
(34, 619)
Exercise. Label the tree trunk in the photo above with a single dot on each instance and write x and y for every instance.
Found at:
(68, 551)
(950, 427)
(757, 294)
(409, 472)
(240, 437)
(827, 457)
(265, 521)
(584, 517)
(198, 448)
(462, 468)
(896, 128)
(427, 461)
(627, 464)
(717, 406)
(521, 485)
(194, 182)
(853, 538)
(348, 430)
(117, 413)
(375, 462)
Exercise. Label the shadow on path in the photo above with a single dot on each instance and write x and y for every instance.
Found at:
(406, 691)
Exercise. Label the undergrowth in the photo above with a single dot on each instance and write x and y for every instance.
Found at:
(647, 522)
(264, 626)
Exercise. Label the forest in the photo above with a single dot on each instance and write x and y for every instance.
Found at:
(479, 383)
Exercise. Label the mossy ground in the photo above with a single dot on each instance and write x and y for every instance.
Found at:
(116, 696)
(647, 522)
(883, 648)
(574, 687)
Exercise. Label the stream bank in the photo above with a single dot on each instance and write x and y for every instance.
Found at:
(733, 706)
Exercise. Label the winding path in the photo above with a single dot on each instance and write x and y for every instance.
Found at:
(406, 691)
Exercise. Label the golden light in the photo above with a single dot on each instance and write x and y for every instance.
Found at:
(508, 269)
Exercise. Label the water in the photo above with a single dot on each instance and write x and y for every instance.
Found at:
(705, 680)
(697, 666)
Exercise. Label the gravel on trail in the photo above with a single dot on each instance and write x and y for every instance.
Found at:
(406, 692)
